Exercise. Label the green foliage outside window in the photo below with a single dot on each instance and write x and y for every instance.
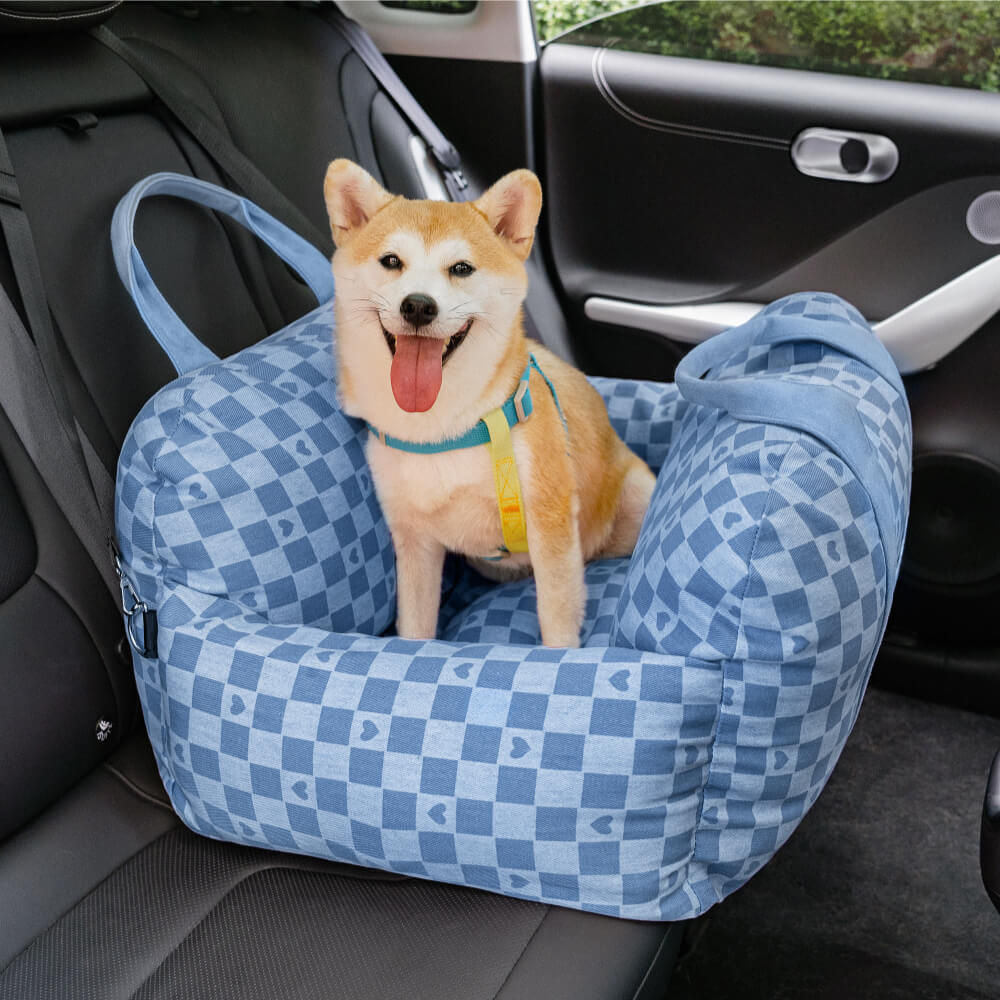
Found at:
(954, 42)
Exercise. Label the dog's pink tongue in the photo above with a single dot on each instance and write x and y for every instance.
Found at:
(416, 372)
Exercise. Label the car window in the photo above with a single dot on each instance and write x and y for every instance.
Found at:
(952, 42)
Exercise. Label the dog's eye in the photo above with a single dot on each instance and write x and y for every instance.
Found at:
(391, 262)
(461, 270)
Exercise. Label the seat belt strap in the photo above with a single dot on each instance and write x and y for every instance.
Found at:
(444, 153)
(213, 139)
(34, 397)
(26, 398)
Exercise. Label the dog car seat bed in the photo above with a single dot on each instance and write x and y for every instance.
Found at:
(647, 774)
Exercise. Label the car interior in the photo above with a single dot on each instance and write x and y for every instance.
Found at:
(675, 206)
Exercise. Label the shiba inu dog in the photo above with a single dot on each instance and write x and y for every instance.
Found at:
(431, 351)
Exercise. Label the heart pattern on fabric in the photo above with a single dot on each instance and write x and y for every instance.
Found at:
(619, 680)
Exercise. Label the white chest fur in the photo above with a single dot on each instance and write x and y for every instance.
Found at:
(449, 496)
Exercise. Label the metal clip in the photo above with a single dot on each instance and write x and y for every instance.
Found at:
(132, 608)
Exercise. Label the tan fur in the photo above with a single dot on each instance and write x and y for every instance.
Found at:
(584, 496)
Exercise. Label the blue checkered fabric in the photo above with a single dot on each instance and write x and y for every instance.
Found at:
(245, 480)
(647, 774)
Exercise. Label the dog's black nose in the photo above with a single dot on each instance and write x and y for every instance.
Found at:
(418, 309)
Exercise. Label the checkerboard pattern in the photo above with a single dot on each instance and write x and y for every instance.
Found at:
(244, 479)
(645, 775)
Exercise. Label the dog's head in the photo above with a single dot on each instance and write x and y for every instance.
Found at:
(428, 292)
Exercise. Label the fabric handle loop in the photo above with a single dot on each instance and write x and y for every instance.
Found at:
(825, 412)
(772, 329)
(185, 350)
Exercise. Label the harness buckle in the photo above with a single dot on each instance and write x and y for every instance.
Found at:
(522, 390)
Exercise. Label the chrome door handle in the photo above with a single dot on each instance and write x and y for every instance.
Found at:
(835, 155)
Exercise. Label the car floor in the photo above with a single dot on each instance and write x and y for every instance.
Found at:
(878, 893)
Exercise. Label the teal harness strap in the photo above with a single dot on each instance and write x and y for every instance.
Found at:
(516, 410)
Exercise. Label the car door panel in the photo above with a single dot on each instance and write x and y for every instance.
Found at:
(691, 193)
(671, 183)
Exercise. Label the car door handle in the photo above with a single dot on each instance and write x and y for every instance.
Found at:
(917, 336)
(835, 155)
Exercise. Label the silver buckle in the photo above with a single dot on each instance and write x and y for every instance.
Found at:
(131, 608)
(522, 391)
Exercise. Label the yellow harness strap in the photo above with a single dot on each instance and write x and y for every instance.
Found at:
(494, 430)
(508, 485)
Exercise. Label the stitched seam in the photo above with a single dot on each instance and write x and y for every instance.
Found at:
(520, 955)
(59, 18)
(167, 438)
(65, 913)
(753, 549)
(689, 131)
(200, 919)
(671, 929)
(711, 780)
(133, 787)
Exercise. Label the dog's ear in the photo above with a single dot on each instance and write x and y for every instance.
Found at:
(511, 207)
(352, 196)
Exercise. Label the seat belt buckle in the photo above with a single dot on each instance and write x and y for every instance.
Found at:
(450, 164)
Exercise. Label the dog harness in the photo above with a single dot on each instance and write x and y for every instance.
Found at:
(494, 430)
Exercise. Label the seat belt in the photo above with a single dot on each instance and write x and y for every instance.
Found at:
(220, 147)
(446, 155)
(34, 398)
(26, 397)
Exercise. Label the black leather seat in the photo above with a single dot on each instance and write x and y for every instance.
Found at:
(102, 892)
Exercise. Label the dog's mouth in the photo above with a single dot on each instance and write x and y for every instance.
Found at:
(417, 364)
(449, 346)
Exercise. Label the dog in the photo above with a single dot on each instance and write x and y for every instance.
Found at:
(429, 342)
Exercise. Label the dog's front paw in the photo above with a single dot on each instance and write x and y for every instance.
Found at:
(560, 638)
(415, 632)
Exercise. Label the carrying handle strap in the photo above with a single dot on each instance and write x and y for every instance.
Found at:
(825, 412)
(184, 349)
(774, 328)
